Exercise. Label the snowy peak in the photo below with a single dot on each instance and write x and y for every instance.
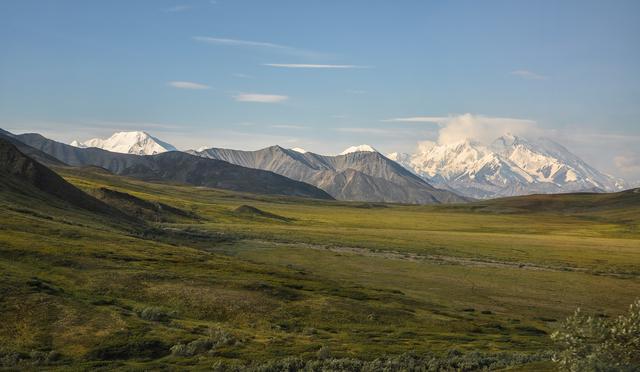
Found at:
(510, 165)
(300, 150)
(76, 143)
(359, 148)
(137, 143)
(400, 157)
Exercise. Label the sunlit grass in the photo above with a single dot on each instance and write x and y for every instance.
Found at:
(364, 280)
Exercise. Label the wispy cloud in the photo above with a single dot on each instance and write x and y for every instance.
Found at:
(528, 75)
(177, 8)
(313, 66)
(241, 43)
(258, 44)
(364, 130)
(241, 75)
(260, 98)
(418, 119)
(627, 163)
(287, 126)
(187, 85)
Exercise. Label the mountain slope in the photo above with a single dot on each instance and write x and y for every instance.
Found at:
(357, 175)
(21, 174)
(33, 153)
(176, 166)
(613, 204)
(138, 143)
(510, 166)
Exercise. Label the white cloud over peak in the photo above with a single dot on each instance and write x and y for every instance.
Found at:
(187, 85)
(312, 66)
(260, 98)
(484, 129)
(627, 163)
(528, 75)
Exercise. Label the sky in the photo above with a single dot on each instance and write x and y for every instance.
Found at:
(325, 75)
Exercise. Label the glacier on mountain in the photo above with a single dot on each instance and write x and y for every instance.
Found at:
(359, 148)
(137, 143)
(509, 166)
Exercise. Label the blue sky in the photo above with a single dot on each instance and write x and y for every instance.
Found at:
(324, 74)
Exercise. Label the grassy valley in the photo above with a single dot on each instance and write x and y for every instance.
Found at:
(207, 278)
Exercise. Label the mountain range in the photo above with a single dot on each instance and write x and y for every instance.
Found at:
(359, 174)
(173, 166)
(436, 173)
(509, 166)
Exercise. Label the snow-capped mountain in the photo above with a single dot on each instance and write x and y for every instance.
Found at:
(138, 143)
(509, 166)
(296, 149)
(359, 148)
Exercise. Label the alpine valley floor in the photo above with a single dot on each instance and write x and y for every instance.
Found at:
(220, 279)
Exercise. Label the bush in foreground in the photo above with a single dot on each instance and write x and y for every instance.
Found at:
(586, 343)
(217, 337)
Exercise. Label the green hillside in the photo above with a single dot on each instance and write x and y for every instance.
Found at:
(209, 278)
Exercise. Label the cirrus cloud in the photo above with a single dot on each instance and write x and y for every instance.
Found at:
(260, 98)
(312, 66)
(177, 8)
(528, 75)
(267, 46)
(187, 85)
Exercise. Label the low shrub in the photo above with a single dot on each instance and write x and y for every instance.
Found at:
(216, 338)
(452, 361)
(324, 353)
(155, 314)
(588, 343)
(34, 357)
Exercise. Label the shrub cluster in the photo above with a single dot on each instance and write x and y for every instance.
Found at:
(155, 314)
(34, 357)
(452, 361)
(216, 338)
(587, 343)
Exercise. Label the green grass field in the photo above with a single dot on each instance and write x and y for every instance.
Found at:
(357, 280)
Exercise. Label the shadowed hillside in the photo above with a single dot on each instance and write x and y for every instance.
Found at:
(22, 175)
(143, 209)
(628, 200)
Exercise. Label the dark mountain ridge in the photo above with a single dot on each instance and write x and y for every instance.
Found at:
(176, 166)
(357, 176)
